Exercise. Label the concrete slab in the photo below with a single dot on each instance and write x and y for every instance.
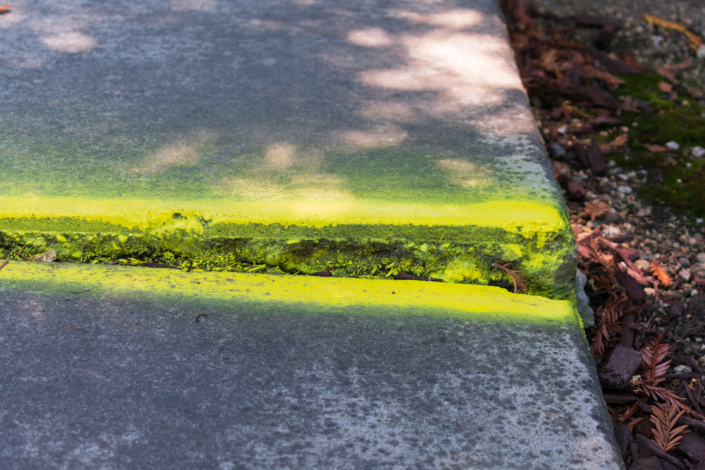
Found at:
(289, 372)
(365, 138)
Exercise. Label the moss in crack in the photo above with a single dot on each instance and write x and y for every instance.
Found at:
(547, 260)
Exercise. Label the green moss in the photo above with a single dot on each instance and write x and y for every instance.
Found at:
(672, 121)
(547, 263)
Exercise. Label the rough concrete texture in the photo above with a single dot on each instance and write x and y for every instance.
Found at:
(180, 126)
(99, 380)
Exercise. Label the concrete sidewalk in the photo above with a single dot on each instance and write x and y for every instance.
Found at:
(318, 373)
(349, 139)
(302, 135)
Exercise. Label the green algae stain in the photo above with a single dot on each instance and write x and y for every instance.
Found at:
(676, 178)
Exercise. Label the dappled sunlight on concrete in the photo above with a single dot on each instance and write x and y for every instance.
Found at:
(370, 37)
(462, 67)
(280, 156)
(69, 42)
(65, 34)
(193, 5)
(461, 18)
(464, 173)
(185, 153)
(409, 98)
(379, 137)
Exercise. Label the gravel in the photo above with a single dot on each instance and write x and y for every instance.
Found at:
(648, 43)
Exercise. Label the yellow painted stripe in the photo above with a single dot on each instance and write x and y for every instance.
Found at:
(146, 215)
(307, 291)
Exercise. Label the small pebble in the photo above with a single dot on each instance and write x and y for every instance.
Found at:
(562, 130)
(612, 218)
(625, 189)
(642, 264)
(673, 145)
(700, 257)
(685, 262)
(698, 152)
(682, 369)
(685, 274)
(701, 52)
(556, 150)
(611, 231)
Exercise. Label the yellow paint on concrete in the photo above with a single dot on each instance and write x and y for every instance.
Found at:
(310, 292)
(529, 218)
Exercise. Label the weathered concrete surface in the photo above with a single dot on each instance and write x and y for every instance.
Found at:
(203, 128)
(122, 376)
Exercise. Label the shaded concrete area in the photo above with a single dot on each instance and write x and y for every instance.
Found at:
(167, 131)
(403, 101)
(129, 382)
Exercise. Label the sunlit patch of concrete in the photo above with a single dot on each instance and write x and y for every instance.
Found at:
(193, 4)
(71, 41)
(460, 18)
(380, 137)
(464, 173)
(185, 152)
(370, 37)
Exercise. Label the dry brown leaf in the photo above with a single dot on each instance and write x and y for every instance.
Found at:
(665, 87)
(629, 104)
(665, 434)
(620, 140)
(695, 41)
(45, 257)
(667, 74)
(588, 71)
(617, 142)
(656, 148)
(686, 64)
(549, 61)
(4, 8)
(595, 209)
(660, 274)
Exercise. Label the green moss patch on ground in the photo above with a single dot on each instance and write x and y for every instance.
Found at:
(676, 178)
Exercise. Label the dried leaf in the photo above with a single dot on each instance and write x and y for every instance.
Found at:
(656, 148)
(695, 41)
(608, 316)
(44, 257)
(4, 8)
(665, 434)
(660, 274)
(595, 209)
(617, 142)
(625, 257)
(549, 61)
(588, 71)
(620, 140)
(665, 87)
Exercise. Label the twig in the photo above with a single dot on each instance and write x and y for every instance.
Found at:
(198, 317)
(514, 274)
(80, 291)
(4, 264)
